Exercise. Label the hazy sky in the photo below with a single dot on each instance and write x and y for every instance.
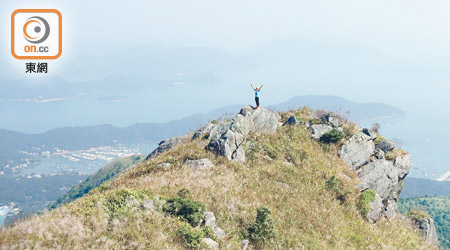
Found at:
(388, 51)
(238, 26)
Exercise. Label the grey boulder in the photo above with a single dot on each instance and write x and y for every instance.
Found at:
(379, 154)
(403, 165)
(317, 130)
(376, 208)
(210, 220)
(335, 121)
(357, 151)
(228, 139)
(429, 231)
(203, 130)
(380, 176)
(386, 146)
(291, 121)
(198, 164)
(391, 209)
(218, 130)
(244, 245)
(386, 178)
(166, 145)
(371, 133)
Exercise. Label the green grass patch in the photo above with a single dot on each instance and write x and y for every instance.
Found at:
(365, 199)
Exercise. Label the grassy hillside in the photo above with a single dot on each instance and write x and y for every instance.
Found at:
(313, 201)
(439, 210)
(104, 174)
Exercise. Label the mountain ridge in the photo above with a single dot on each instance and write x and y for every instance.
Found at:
(80, 137)
(306, 194)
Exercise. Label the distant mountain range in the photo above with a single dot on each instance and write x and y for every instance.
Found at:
(418, 187)
(12, 143)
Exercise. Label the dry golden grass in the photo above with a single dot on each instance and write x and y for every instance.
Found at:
(305, 213)
(395, 153)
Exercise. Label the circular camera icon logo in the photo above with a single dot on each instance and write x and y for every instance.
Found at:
(36, 29)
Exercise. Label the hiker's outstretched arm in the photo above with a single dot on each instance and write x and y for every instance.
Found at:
(252, 86)
(261, 86)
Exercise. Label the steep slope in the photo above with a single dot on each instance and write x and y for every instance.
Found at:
(289, 191)
(104, 174)
(438, 208)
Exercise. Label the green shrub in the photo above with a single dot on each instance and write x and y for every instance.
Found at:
(334, 184)
(263, 230)
(120, 202)
(332, 137)
(189, 210)
(191, 237)
(209, 233)
(214, 122)
(365, 199)
(418, 215)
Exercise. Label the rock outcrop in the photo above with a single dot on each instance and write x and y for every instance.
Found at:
(291, 121)
(323, 122)
(210, 220)
(357, 151)
(368, 159)
(166, 145)
(426, 226)
(317, 130)
(227, 139)
(428, 229)
(203, 131)
(361, 152)
(386, 177)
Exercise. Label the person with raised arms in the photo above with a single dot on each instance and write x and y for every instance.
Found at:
(256, 94)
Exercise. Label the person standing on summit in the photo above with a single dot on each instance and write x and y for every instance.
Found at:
(256, 94)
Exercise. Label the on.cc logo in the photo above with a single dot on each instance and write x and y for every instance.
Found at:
(38, 24)
(36, 34)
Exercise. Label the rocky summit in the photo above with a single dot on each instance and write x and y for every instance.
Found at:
(229, 140)
(302, 179)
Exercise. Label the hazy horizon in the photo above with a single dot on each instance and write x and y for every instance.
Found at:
(154, 61)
